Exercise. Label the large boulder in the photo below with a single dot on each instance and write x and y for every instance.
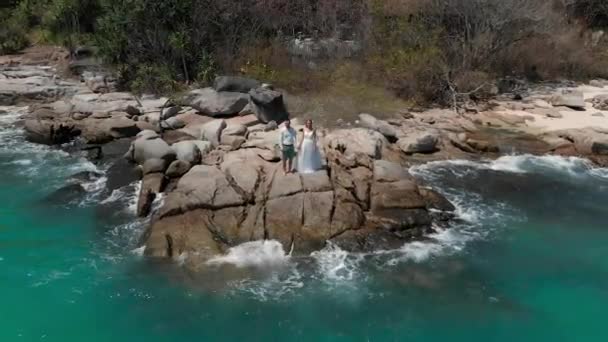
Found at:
(268, 105)
(381, 126)
(152, 185)
(187, 151)
(235, 84)
(99, 131)
(144, 149)
(210, 102)
(600, 102)
(49, 132)
(357, 140)
(419, 142)
(569, 98)
(212, 131)
(177, 169)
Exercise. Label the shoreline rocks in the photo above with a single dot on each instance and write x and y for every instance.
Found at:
(215, 160)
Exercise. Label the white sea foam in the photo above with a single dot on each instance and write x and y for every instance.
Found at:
(524, 163)
(335, 264)
(133, 197)
(139, 251)
(255, 253)
(22, 162)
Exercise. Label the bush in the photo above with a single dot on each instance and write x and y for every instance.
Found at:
(13, 35)
(152, 79)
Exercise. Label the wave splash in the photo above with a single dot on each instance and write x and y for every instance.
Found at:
(525, 163)
(254, 254)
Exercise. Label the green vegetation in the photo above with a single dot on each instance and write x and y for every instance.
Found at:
(421, 50)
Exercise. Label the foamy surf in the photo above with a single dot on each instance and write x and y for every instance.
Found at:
(525, 163)
(267, 253)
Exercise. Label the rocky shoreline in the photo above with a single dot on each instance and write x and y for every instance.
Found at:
(211, 154)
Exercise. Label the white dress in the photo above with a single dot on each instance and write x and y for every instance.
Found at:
(309, 156)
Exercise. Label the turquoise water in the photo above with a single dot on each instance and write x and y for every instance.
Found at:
(528, 262)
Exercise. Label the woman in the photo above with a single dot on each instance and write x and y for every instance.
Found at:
(309, 156)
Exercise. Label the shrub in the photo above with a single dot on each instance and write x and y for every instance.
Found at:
(153, 79)
(13, 35)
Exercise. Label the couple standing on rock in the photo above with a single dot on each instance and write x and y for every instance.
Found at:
(307, 152)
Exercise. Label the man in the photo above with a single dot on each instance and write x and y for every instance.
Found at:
(287, 141)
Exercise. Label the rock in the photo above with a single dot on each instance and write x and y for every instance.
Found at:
(210, 102)
(170, 112)
(99, 83)
(268, 105)
(483, 146)
(402, 194)
(385, 171)
(548, 112)
(244, 176)
(436, 201)
(177, 169)
(172, 123)
(362, 178)
(380, 126)
(271, 126)
(600, 147)
(152, 184)
(316, 182)
(187, 151)
(284, 218)
(175, 136)
(212, 131)
(202, 187)
(132, 110)
(569, 98)
(146, 126)
(50, 133)
(100, 115)
(144, 149)
(596, 83)
(270, 156)
(542, 104)
(235, 84)
(598, 114)
(154, 165)
(234, 141)
(235, 129)
(600, 102)
(357, 140)
(66, 195)
(173, 236)
(214, 157)
(102, 131)
(146, 135)
(422, 142)
(285, 185)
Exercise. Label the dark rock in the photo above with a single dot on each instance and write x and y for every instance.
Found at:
(268, 105)
(177, 169)
(152, 184)
(65, 195)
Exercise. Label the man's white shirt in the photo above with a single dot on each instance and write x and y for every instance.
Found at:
(288, 136)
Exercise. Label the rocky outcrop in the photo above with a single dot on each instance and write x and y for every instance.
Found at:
(246, 198)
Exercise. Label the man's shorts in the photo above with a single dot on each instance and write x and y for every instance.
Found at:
(289, 152)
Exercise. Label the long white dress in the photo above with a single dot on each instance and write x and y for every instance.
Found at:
(309, 156)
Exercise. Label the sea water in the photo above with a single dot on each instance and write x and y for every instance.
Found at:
(527, 260)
